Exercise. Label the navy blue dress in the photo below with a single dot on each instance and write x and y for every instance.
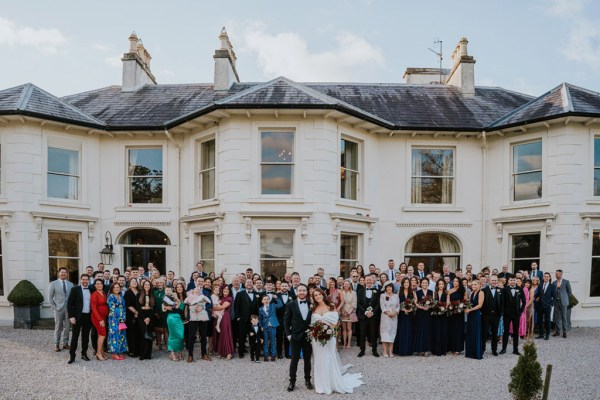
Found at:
(456, 328)
(473, 348)
(403, 345)
(422, 336)
(439, 327)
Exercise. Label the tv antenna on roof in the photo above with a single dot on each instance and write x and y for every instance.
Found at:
(440, 56)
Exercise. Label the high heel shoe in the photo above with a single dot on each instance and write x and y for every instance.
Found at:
(100, 358)
(173, 357)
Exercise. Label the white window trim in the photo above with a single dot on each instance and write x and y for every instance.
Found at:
(66, 143)
(361, 168)
(212, 135)
(509, 177)
(521, 228)
(140, 146)
(256, 158)
(359, 247)
(276, 224)
(456, 185)
(594, 134)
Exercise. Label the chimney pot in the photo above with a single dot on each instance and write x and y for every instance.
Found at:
(462, 74)
(136, 66)
(133, 42)
(225, 72)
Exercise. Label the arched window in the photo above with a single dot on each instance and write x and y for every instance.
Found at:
(143, 246)
(434, 249)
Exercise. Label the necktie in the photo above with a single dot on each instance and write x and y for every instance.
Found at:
(64, 287)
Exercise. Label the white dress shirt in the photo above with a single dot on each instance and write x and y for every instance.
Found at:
(86, 300)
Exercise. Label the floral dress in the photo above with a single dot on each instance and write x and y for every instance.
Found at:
(117, 340)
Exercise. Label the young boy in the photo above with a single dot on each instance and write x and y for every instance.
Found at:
(267, 320)
(254, 339)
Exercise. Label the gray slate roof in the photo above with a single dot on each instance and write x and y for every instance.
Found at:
(393, 106)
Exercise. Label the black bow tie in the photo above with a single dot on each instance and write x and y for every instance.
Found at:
(302, 302)
(269, 292)
(85, 288)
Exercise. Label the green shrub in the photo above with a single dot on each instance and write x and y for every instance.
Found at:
(25, 294)
(526, 377)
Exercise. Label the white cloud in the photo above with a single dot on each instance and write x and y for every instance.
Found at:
(563, 8)
(47, 41)
(113, 61)
(584, 43)
(101, 47)
(288, 54)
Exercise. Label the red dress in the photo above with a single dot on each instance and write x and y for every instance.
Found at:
(99, 311)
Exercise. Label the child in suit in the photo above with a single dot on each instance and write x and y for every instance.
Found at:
(254, 339)
(267, 320)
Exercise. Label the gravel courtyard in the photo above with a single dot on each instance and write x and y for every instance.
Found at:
(31, 370)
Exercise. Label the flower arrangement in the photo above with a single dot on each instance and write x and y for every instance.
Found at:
(320, 332)
(439, 308)
(458, 306)
(407, 305)
(425, 301)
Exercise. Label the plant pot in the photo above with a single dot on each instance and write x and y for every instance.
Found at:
(26, 316)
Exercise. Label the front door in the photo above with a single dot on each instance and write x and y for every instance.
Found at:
(140, 256)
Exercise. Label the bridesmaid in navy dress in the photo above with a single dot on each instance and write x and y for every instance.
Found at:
(456, 322)
(422, 336)
(403, 345)
(473, 348)
(439, 323)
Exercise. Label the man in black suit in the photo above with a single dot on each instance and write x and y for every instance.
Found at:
(296, 322)
(513, 305)
(200, 270)
(245, 305)
(491, 312)
(78, 309)
(283, 344)
(367, 310)
(544, 301)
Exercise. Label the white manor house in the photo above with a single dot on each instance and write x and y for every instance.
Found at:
(289, 176)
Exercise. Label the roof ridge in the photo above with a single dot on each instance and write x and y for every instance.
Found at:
(590, 91)
(25, 96)
(70, 106)
(566, 95)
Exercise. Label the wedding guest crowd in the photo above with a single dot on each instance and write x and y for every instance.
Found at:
(409, 312)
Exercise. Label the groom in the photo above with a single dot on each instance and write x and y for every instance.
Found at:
(296, 322)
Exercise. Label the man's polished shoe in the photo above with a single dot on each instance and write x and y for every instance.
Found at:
(85, 357)
(362, 353)
(565, 335)
(539, 337)
(546, 338)
(495, 353)
(206, 358)
(190, 359)
(71, 360)
(66, 347)
(375, 354)
(556, 333)
(291, 387)
(503, 351)
(516, 353)
(309, 385)
(57, 348)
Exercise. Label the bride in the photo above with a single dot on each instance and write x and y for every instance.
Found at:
(330, 375)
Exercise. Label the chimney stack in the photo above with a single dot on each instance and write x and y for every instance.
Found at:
(136, 66)
(225, 72)
(462, 74)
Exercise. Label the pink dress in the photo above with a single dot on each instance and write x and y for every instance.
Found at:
(523, 318)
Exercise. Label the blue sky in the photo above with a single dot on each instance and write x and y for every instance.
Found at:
(528, 46)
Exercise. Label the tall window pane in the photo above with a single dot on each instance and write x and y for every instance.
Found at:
(63, 251)
(207, 169)
(527, 171)
(348, 253)
(277, 162)
(434, 249)
(525, 250)
(349, 173)
(1, 271)
(597, 167)
(207, 251)
(63, 173)
(145, 175)
(595, 272)
(432, 176)
(276, 252)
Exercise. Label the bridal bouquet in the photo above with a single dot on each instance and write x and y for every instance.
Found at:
(459, 307)
(439, 308)
(425, 301)
(320, 332)
(407, 305)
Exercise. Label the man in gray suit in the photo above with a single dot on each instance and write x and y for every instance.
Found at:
(58, 292)
(562, 290)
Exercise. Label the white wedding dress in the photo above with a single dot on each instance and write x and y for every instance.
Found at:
(330, 375)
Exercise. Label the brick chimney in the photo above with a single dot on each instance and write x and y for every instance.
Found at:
(136, 66)
(225, 72)
(462, 73)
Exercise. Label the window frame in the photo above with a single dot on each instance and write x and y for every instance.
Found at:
(201, 257)
(454, 194)
(595, 137)
(512, 259)
(292, 164)
(513, 174)
(201, 171)
(291, 259)
(358, 237)
(78, 176)
(358, 171)
(128, 193)
(79, 249)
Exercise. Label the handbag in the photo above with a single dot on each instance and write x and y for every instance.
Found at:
(122, 326)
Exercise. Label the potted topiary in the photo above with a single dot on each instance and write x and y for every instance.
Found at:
(26, 300)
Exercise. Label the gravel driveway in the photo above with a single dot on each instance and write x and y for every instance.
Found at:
(32, 370)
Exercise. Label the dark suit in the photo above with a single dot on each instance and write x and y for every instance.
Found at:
(537, 273)
(83, 321)
(513, 307)
(254, 340)
(368, 326)
(244, 307)
(295, 326)
(283, 344)
(544, 300)
(490, 316)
